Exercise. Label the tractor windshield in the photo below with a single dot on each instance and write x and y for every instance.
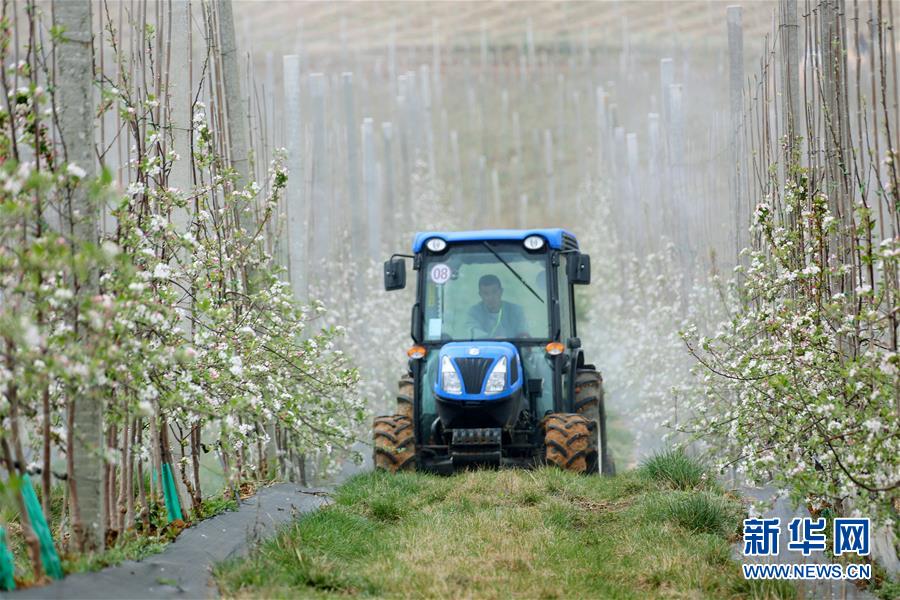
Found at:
(486, 290)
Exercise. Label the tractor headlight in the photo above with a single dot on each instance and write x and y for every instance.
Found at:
(436, 245)
(449, 377)
(496, 382)
(534, 242)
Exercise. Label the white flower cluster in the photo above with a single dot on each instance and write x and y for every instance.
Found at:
(169, 328)
(801, 379)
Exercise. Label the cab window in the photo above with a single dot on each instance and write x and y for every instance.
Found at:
(486, 290)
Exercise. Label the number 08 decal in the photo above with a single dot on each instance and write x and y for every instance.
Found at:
(440, 273)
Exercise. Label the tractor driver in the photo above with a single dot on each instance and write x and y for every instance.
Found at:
(493, 317)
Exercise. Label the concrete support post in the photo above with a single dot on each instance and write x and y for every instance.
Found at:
(295, 195)
(390, 202)
(736, 96)
(321, 209)
(370, 185)
(356, 208)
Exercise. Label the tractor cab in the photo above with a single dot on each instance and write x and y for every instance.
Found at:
(496, 366)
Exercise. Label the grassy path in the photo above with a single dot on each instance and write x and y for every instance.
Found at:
(497, 534)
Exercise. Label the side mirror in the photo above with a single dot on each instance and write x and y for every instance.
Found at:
(579, 269)
(394, 274)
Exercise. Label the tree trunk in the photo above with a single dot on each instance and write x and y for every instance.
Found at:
(129, 476)
(28, 533)
(31, 539)
(121, 502)
(196, 431)
(46, 487)
(74, 81)
(109, 485)
(142, 489)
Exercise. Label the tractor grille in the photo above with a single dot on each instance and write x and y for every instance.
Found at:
(473, 371)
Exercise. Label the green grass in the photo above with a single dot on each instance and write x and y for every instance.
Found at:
(673, 468)
(698, 512)
(130, 547)
(503, 534)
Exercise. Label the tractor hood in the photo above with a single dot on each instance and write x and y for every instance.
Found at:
(478, 371)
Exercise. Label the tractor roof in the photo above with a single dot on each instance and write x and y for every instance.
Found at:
(558, 239)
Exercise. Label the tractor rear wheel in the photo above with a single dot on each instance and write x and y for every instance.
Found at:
(589, 402)
(395, 446)
(570, 441)
(405, 392)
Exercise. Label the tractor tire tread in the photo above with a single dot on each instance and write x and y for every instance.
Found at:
(575, 456)
(589, 401)
(569, 441)
(575, 438)
(386, 434)
(559, 447)
(586, 402)
(405, 394)
(394, 443)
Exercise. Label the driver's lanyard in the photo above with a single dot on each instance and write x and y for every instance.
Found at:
(497, 324)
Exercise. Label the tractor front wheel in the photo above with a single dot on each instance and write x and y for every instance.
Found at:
(571, 442)
(395, 446)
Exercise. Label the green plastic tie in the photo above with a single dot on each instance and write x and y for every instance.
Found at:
(173, 506)
(7, 568)
(49, 557)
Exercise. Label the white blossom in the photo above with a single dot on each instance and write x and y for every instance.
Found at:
(75, 171)
(162, 271)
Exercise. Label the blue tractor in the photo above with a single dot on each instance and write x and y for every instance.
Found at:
(496, 376)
